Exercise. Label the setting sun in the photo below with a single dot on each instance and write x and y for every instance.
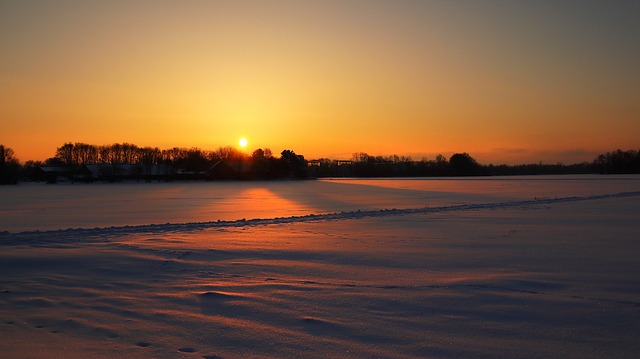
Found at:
(243, 142)
(325, 79)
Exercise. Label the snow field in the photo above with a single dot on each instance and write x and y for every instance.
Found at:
(519, 278)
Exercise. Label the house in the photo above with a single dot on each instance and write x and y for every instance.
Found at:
(225, 170)
(112, 172)
(54, 174)
(109, 172)
(222, 170)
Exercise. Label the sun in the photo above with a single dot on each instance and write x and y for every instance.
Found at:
(243, 142)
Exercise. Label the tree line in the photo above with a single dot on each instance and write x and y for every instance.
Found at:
(230, 163)
(459, 164)
(618, 162)
(73, 159)
(462, 164)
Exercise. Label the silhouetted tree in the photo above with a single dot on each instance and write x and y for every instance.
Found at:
(196, 161)
(293, 165)
(260, 168)
(362, 164)
(618, 161)
(173, 155)
(65, 154)
(9, 166)
(54, 162)
(83, 154)
(462, 164)
(360, 157)
(149, 155)
(229, 154)
(148, 158)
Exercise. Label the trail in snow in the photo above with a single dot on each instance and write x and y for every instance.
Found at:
(193, 226)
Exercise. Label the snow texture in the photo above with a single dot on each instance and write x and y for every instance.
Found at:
(487, 270)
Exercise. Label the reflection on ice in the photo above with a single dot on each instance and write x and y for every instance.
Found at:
(254, 202)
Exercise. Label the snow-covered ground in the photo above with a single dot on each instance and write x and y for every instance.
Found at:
(501, 267)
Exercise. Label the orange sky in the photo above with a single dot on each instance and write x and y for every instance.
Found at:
(506, 81)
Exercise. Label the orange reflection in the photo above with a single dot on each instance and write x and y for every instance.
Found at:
(254, 202)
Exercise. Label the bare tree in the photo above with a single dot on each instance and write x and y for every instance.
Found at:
(65, 154)
(360, 157)
(9, 166)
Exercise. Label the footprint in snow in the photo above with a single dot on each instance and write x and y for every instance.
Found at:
(187, 350)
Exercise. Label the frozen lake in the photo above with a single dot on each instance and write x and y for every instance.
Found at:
(36, 206)
(517, 267)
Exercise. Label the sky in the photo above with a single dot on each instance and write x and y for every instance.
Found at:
(505, 81)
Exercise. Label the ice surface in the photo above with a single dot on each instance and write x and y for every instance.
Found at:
(49, 207)
(498, 273)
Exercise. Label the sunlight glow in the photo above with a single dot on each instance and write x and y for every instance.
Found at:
(326, 79)
(243, 142)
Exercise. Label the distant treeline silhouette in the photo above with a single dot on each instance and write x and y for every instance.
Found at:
(121, 161)
(86, 162)
(618, 162)
(459, 164)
